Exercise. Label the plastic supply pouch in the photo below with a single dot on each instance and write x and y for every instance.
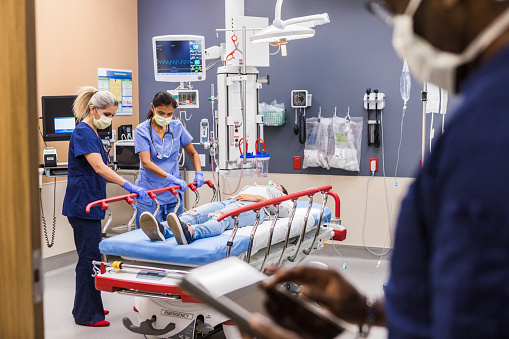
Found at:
(273, 114)
(347, 143)
(316, 149)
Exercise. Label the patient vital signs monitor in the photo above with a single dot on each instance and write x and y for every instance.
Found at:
(179, 58)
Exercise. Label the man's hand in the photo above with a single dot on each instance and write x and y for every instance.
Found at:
(249, 197)
(326, 287)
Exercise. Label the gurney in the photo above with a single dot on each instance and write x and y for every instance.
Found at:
(151, 271)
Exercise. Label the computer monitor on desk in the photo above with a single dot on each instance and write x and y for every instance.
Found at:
(58, 121)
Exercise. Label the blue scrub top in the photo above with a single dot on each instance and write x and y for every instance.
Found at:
(84, 185)
(142, 142)
(450, 264)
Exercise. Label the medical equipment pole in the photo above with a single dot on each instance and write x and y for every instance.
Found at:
(424, 99)
(244, 94)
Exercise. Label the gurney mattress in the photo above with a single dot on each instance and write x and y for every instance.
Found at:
(136, 244)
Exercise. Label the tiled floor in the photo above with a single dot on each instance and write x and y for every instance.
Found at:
(357, 264)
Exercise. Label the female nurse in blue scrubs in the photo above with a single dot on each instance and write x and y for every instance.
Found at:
(88, 173)
(158, 140)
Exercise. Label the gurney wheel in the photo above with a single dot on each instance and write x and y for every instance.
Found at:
(204, 330)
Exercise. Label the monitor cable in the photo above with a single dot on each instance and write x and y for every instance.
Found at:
(45, 229)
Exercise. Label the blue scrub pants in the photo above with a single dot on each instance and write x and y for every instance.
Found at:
(88, 306)
(204, 219)
(149, 205)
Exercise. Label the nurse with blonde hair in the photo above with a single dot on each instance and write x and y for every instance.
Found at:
(87, 176)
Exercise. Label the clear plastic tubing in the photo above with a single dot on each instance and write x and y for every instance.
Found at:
(405, 84)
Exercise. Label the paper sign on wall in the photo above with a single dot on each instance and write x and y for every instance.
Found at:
(120, 83)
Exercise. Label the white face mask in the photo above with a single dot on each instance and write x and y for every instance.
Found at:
(428, 63)
(162, 121)
(102, 122)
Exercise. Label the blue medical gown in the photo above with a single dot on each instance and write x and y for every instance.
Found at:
(450, 265)
(142, 142)
(84, 185)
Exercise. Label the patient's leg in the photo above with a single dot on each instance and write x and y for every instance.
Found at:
(212, 227)
(200, 214)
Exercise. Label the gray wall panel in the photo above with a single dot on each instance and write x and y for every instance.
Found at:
(346, 56)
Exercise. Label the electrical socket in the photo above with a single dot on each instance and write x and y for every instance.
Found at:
(202, 159)
(373, 164)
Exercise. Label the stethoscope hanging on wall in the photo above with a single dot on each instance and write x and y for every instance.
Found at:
(300, 125)
(158, 155)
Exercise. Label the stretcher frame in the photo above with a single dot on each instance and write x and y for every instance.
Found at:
(168, 288)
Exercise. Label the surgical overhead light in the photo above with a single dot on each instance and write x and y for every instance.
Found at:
(291, 29)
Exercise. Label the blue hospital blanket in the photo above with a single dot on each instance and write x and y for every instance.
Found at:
(136, 244)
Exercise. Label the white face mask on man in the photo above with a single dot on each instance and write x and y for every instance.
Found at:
(428, 63)
(102, 122)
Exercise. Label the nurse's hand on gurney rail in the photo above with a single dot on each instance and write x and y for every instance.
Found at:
(172, 180)
(135, 189)
(198, 179)
(324, 286)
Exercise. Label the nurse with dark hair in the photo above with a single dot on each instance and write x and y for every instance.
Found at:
(158, 140)
(86, 182)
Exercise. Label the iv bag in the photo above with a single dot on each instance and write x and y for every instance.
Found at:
(405, 83)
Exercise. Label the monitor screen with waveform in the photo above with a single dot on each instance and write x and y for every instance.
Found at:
(179, 58)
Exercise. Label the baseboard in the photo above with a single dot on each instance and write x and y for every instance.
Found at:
(59, 261)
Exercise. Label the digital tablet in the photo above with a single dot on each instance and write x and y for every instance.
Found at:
(233, 288)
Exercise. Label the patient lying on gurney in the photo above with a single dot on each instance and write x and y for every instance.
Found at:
(201, 222)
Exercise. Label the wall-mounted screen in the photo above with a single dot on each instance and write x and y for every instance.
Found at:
(179, 58)
(58, 121)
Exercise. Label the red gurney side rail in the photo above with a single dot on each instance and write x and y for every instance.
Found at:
(276, 201)
(107, 284)
(152, 194)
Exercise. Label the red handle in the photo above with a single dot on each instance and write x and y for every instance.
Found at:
(240, 149)
(129, 197)
(263, 143)
(338, 202)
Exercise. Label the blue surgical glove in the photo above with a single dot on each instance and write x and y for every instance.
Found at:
(135, 189)
(198, 179)
(172, 180)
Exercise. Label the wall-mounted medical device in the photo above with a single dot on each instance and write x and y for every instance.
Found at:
(301, 99)
(374, 102)
(186, 98)
(125, 132)
(204, 130)
(179, 58)
(236, 93)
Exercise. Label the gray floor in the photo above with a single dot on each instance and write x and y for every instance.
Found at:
(360, 267)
